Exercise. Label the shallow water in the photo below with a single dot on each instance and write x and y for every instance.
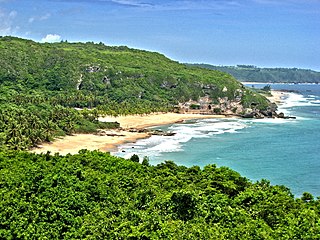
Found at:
(286, 152)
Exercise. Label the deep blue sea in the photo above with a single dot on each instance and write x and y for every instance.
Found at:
(286, 152)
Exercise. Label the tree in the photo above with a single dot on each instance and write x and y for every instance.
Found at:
(307, 197)
(134, 158)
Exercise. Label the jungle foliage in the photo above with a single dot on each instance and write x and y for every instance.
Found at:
(42, 83)
(89, 75)
(249, 73)
(93, 195)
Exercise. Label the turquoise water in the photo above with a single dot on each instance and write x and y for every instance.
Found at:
(286, 152)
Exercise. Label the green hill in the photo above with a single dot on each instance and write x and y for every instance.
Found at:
(120, 74)
(93, 195)
(42, 83)
(106, 73)
(249, 73)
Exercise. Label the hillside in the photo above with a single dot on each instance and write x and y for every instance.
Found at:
(42, 83)
(119, 74)
(114, 73)
(93, 195)
(249, 73)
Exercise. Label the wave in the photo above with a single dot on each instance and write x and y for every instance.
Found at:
(315, 102)
(272, 120)
(297, 100)
(155, 145)
(207, 128)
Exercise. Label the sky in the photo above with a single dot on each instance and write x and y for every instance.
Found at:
(264, 33)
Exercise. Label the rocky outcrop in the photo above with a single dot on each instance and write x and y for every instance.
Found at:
(79, 82)
(168, 85)
(106, 80)
(151, 132)
(228, 107)
(266, 114)
(92, 69)
(205, 105)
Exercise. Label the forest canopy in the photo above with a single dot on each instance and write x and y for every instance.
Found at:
(93, 195)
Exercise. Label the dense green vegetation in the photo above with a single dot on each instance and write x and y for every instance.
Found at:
(93, 195)
(249, 73)
(94, 74)
(41, 84)
(26, 126)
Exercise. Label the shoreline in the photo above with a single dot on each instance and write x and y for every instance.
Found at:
(71, 144)
(110, 142)
(277, 96)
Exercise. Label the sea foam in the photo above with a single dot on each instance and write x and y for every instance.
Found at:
(297, 100)
(207, 128)
(155, 145)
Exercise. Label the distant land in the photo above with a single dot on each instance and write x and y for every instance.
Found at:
(251, 73)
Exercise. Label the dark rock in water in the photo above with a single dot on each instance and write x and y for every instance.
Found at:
(114, 135)
(162, 133)
(264, 113)
(141, 130)
(259, 116)
(169, 134)
(151, 132)
(270, 113)
(287, 117)
(249, 115)
(273, 107)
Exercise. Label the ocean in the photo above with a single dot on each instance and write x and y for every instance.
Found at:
(283, 151)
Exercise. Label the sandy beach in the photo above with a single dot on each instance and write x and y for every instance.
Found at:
(72, 144)
(277, 96)
(154, 119)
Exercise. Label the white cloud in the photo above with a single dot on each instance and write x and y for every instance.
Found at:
(51, 38)
(39, 18)
(131, 3)
(178, 4)
(31, 20)
(45, 17)
(276, 2)
(6, 23)
(13, 14)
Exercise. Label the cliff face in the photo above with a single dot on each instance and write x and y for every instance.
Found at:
(115, 74)
(206, 105)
